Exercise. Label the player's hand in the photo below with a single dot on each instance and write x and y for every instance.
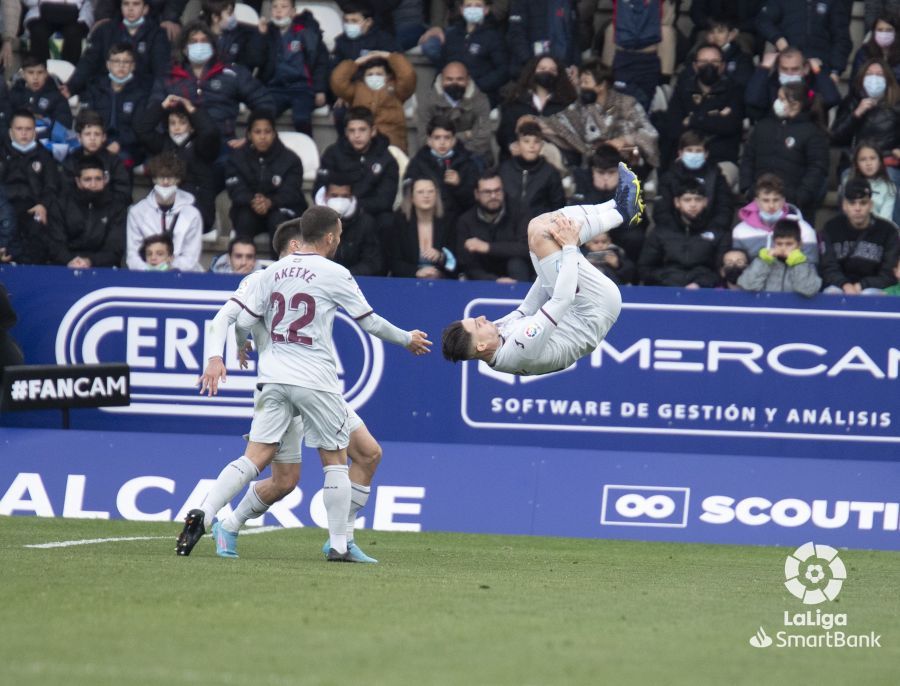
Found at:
(419, 345)
(213, 375)
(244, 355)
(564, 230)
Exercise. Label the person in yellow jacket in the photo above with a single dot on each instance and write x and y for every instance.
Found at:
(381, 81)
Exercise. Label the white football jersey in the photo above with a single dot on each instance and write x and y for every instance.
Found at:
(296, 299)
(258, 330)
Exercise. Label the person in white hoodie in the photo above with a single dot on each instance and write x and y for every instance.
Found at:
(168, 210)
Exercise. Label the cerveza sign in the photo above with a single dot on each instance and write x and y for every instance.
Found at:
(48, 387)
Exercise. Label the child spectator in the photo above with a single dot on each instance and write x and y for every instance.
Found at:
(868, 164)
(733, 264)
(542, 89)
(235, 43)
(758, 219)
(29, 176)
(149, 44)
(895, 289)
(693, 162)
(71, 18)
(492, 237)
(722, 31)
(39, 94)
(882, 45)
(382, 82)
(118, 98)
(542, 27)
(157, 253)
(473, 40)
(92, 137)
(360, 36)
(446, 160)
(860, 250)
(610, 259)
(456, 96)
(240, 258)
(190, 133)
(263, 180)
(792, 144)
(528, 179)
(422, 244)
(682, 251)
(783, 267)
(296, 72)
(207, 82)
(86, 226)
(167, 210)
(166, 13)
(596, 185)
(362, 157)
(359, 250)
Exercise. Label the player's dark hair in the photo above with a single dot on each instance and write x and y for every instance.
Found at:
(167, 164)
(317, 222)
(158, 238)
(456, 343)
(240, 240)
(786, 228)
(285, 233)
(529, 128)
(120, 48)
(440, 121)
(769, 183)
(89, 162)
(359, 114)
(87, 118)
(605, 157)
(691, 138)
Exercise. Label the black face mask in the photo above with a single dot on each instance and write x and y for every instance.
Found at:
(92, 196)
(545, 79)
(588, 97)
(732, 273)
(455, 91)
(708, 75)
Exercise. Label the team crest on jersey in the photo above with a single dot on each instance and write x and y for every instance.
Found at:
(532, 330)
(790, 142)
(376, 168)
(276, 181)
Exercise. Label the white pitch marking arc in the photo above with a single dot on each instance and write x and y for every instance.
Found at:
(117, 539)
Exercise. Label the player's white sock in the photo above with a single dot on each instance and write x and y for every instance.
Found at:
(359, 496)
(250, 506)
(595, 219)
(337, 504)
(229, 483)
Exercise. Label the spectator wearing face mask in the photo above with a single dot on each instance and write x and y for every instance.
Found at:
(693, 164)
(734, 262)
(360, 36)
(190, 133)
(710, 104)
(542, 89)
(235, 42)
(782, 268)
(779, 69)
(359, 251)
(759, 217)
(882, 45)
(722, 30)
(382, 82)
(871, 112)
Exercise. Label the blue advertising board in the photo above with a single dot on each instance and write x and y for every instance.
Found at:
(696, 371)
(592, 494)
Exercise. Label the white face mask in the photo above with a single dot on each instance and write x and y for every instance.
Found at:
(884, 39)
(352, 31)
(165, 193)
(780, 109)
(473, 15)
(230, 23)
(281, 22)
(874, 85)
(785, 79)
(339, 205)
(375, 81)
(179, 138)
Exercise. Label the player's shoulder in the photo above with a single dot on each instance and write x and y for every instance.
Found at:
(248, 282)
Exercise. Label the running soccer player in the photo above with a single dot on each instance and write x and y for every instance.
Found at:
(364, 451)
(571, 305)
(297, 298)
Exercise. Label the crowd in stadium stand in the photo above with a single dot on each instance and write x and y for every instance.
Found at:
(768, 143)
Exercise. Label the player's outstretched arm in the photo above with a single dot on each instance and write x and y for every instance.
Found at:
(537, 296)
(564, 232)
(216, 333)
(419, 343)
(415, 341)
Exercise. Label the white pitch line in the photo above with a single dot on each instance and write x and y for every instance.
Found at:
(90, 541)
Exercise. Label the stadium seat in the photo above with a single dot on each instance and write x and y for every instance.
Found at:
(62, 71)
(245, 14)
(330, 18)
(402, 163)
(305, 148)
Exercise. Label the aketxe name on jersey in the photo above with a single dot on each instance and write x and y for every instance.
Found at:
(296, 273)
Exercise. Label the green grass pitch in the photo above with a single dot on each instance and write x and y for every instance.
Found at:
(439, 609)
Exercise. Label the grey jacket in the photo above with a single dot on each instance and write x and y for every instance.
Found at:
(471, 116)
(779, 277)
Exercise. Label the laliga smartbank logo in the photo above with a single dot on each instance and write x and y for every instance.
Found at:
(814, 574)
(160, 333)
